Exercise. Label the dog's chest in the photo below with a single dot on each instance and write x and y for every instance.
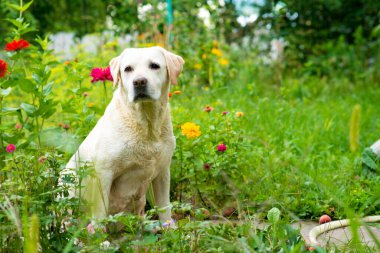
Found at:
(140, 155)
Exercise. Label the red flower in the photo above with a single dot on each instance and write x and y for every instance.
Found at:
(16, 45)
(222, 147)
(224, 113)
(206, 166)
(3, 68)
(101, 74)
(11, 148)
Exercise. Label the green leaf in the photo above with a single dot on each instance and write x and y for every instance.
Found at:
(26, 85)
(49, 113)
(26, 30)
(36, 78)
(29, 109)
(147, 240)
(47, 89)
(274, 215)
(26, 6)
(5, 92)
(369, 158)
(14, 6)
(15, 22)
(8, 110)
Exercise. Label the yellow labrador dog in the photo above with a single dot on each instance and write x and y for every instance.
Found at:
(132, 144)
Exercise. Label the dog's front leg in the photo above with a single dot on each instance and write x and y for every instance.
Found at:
(161, 190)
(96, 193)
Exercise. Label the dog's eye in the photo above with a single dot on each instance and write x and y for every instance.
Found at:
(128, 69)
(154, 66)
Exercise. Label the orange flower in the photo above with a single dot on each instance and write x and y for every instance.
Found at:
(67, 63)
(190, 130)
(239, 114)
(16, 45)
(177, 92)
(170, 94)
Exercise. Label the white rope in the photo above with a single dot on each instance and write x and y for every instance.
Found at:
(315, 232)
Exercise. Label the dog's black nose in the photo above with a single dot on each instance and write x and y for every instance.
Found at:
(140, 82)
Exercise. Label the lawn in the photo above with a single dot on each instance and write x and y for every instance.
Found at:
(273, 144)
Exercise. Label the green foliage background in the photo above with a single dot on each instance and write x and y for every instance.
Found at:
(289, 154)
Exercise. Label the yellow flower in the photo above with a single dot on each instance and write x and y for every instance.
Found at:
(215, 43)
(204, 56)
(111, 44)
(147, 44)
(223, 62)
(91, 104)
(190, 130)
(177, 92)
(217, 52)
(239, 114)
(197, 66)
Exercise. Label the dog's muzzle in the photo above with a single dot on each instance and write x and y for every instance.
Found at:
(140, 88)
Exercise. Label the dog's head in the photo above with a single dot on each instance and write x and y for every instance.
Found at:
(145, 73)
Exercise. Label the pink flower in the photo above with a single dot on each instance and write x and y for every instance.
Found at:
(90, 228)
(85, 94)
(221, 147)
(224, 113)
(11, 148)
(101, 74)
(42, 159)
(18, 126)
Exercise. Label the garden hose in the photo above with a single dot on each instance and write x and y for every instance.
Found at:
(315, 232)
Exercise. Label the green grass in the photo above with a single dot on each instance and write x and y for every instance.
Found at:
(290, 150)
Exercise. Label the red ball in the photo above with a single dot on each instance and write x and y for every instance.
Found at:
(324, 219)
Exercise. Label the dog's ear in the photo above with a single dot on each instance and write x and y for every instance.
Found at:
(115, 70)
(174, 64)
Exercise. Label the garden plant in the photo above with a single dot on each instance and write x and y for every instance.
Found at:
(258, 140)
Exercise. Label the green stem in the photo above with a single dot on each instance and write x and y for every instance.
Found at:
(180, 169)
(2, 157)
(37, 132)
(105, 92)
(20, 9)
